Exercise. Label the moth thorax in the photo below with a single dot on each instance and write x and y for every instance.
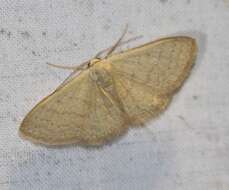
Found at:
(101, 77)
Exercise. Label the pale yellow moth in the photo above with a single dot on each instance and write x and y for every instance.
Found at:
(111, 94)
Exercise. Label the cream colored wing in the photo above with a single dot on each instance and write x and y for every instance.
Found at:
(146, 77)
(76, 113)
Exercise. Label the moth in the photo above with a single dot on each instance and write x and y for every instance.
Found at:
(111, 94)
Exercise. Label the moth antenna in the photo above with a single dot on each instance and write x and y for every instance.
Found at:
(120, 44)
(112, 48)
(77, 67)
(61, 66)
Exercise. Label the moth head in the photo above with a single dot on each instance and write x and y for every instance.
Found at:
(93, 61)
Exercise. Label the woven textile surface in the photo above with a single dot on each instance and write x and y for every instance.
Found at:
(186, 148)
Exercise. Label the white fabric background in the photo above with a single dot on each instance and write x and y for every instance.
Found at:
(186, 148)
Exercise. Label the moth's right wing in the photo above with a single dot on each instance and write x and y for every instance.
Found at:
(146, 77)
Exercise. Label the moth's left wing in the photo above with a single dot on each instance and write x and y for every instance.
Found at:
(76, 113)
